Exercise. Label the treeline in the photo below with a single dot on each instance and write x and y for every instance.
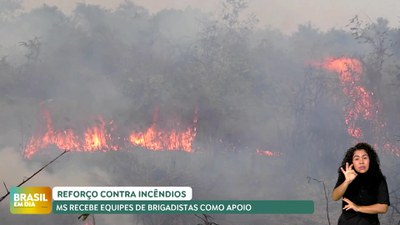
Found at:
(250, 87)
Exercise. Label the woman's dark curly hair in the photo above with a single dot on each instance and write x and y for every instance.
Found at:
(374, 165)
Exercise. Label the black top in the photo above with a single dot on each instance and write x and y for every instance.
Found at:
(363, 190)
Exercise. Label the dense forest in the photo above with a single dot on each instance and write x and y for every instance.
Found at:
(245, 89)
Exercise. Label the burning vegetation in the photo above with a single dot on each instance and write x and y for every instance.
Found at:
(362, 106)
(103, 136)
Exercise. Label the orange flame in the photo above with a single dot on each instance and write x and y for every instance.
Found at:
(154, 139)
(267, 153)
(362, 105)
(348, 69)
(95, 138)
(99, 138)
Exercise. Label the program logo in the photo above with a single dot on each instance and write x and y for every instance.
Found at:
(30, 200)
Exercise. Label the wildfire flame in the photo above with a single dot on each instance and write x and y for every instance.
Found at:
(99, 137)
(267, 153)
(95, 138)
(362, 104)
(155, 139)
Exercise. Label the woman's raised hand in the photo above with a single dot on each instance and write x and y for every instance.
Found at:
(349, 173)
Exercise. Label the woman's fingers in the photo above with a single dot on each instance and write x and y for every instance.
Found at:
(346, 207)
(350, 205)
(348, 168)
(349, 173)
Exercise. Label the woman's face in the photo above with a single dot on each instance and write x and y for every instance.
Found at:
(361, 161)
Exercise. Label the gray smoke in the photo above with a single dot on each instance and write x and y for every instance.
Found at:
(250, 87)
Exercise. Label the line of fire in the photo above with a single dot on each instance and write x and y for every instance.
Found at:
(103, 136)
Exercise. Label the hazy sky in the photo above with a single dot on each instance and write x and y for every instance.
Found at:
(282, 14)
